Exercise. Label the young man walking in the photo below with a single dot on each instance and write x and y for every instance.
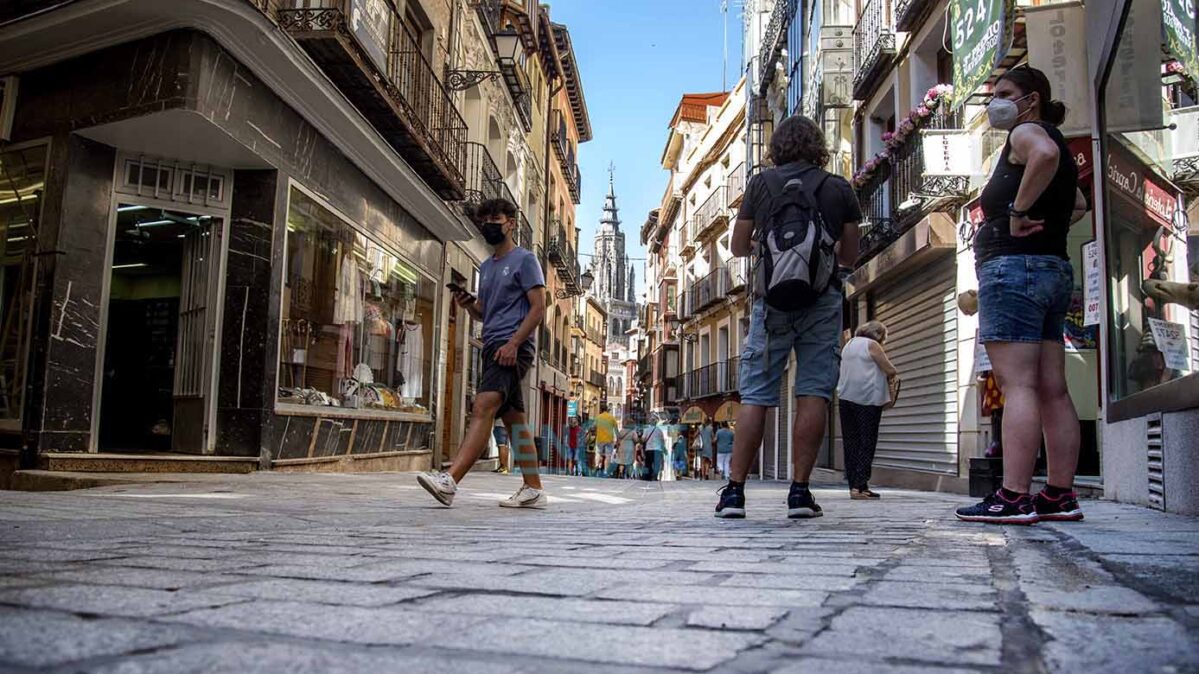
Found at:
(511, 304)
(605, 440)
(797, 221)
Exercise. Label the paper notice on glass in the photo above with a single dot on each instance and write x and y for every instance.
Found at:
(981, 362)
(1171, 341)
(1092, 288)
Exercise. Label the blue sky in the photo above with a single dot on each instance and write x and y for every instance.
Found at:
(636, 59)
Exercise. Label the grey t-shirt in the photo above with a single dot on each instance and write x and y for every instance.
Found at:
(838, 202)
(504, 284)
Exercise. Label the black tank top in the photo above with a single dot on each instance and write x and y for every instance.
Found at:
(1054, 206)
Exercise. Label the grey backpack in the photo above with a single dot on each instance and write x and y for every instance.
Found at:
(796, 249)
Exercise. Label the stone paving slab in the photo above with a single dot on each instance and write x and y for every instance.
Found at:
(357, 573)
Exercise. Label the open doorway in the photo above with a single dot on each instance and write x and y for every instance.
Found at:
(161, 325)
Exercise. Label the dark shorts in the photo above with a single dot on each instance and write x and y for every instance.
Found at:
(507, 381)
(1024, 298)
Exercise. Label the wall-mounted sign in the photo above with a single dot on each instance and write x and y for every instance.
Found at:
(1057, 45)
(949, 153)
(572, 408)
(979, 30)
(1178, 18)
(1132, 179)
(370, 22)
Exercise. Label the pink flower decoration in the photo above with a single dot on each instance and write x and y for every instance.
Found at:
(923, 111)
(888, 136)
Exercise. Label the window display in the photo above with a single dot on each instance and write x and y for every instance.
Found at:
(22, 181)
(1152, 181)
(357, 321)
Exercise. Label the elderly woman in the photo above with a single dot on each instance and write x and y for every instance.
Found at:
(863, 390)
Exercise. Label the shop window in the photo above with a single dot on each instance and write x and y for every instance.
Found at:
(1151, 181)
(22, 182)
(357, 320)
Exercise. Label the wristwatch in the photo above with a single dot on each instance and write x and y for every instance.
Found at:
(1014, 212)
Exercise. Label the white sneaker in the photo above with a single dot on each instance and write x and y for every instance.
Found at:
(526, 497)
(440, 485)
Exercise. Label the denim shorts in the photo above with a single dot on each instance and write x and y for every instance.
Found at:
(812, 333)
(1024, 298)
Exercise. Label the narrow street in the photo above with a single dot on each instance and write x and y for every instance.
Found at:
(355, 573)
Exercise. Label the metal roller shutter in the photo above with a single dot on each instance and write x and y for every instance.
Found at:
(920, 312)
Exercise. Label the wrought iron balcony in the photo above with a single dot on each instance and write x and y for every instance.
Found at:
(918, 188)
(1185, 148)
(774, 40)
(738, 179)
(562, 255)
(910, 14)
(713, 214)
(383, 72)
(483, 178)
(524, 230)
(877, 230)
(718, 378)
(873, 47)
(596, 379)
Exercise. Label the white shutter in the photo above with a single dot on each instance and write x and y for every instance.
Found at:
(920, 312)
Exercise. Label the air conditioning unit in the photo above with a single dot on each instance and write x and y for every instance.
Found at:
(8, 105)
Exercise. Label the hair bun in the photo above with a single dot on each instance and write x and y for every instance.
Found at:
(1054, 112)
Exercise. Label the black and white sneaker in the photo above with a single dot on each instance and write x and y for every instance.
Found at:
(999, 509)
(801, 504)
(732, 502)
(1064, 508)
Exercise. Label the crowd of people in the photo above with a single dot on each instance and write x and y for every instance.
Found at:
(800, 226)
(607, 447)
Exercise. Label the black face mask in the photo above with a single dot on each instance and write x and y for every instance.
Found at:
(493, 233)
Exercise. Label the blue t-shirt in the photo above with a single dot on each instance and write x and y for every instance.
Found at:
(705, 439)
(724, 441)
(504, 284)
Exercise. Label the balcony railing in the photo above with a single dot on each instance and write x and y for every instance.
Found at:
(877, 230)
(873, 47)
(524, 230)
(565, 152)
(713, 213)
(483, 178)
(562, 255)
(913, 190)
(391, 83)
(773, 41)
(596, 379)
(1184, 149)
(737, 181)
(719, 378)
(910, 14)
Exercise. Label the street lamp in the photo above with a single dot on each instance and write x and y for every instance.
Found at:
(507, 48)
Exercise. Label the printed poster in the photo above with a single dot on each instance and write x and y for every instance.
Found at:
(1171, 341)
(1092, 283)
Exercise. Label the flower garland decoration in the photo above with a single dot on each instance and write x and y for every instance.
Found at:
(934, 98)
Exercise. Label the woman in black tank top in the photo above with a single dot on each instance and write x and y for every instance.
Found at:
(1025, 286)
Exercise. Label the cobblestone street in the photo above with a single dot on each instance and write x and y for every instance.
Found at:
(358, 573)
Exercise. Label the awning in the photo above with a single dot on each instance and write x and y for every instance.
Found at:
(727, 411)
(693, 415)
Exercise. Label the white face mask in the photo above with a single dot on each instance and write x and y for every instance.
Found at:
(1003, 113)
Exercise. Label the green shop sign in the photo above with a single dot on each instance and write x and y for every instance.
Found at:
(1178, 18)
(979, 42)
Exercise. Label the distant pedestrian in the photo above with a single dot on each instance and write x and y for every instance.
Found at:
(798, 222)
(707, 448)
(724, 449)
(626, 451)
(679, 459)
(867, 379)
(574, 447)
(1025, 285)
(654, 442)
(511, 304)
(605, 437)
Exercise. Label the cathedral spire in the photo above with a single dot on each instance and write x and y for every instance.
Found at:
(610, 220)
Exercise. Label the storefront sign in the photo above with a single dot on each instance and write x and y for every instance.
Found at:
(1134, 87)
(572, 408)
(1132, 179)
(980, 35)
(370, 22)
(1092, 283)
(949, 153)
(1171, 341)
(1178, 18)
(1057, 45)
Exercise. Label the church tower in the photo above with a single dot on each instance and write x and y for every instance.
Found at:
(613, 285)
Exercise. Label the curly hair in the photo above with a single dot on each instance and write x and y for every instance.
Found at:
(493, 207)
(798, 138)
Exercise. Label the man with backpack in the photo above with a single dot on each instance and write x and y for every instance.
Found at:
(797, 221)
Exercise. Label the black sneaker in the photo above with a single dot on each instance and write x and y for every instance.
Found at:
(998, 509)
(1064, 508)
(801, 504)
(732, 502)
